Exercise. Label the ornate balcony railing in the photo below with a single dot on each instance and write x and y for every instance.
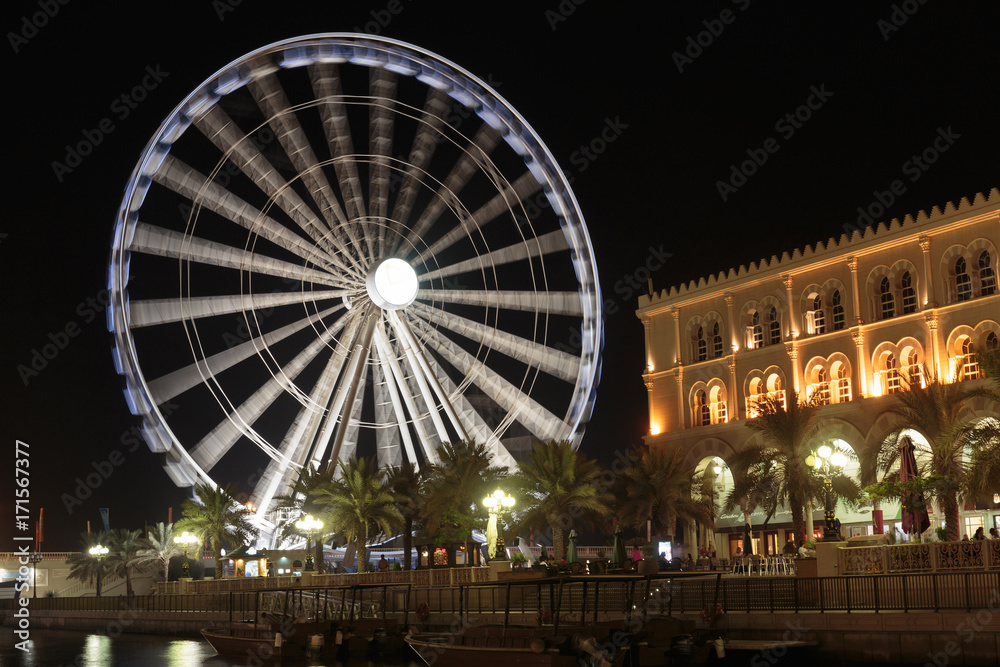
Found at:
(961, 556)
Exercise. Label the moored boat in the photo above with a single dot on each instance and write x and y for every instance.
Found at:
(273, 642)
(499, 647)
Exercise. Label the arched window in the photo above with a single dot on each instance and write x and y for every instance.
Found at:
(914, 371)
(716, 341)
(987, 279)
(819, 317)
(969, 360)
(774, 327)
(838, 311)
(963, 282)
(991, 341)
(892, 383)
(909, 294)
(821, 388)
(702, 345)
(776, 391)
(720, 414)
(756, 331)
(843, 384)
(887, 300)
(704, 412)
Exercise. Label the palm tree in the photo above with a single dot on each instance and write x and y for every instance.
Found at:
(216, 516)
(985, 467)
(554, 485)
(772, 470)
(160, 547)
(359, 503)
(405, 482)
(658, 487)
(300, 501)
(125, 549)
(85, 567)
(454, 489)
(939, 412)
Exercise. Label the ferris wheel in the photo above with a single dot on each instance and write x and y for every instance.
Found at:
(344, 243)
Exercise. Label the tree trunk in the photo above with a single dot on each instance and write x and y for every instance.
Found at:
(950, 507)
(318, 554)
(99, 573)
(166, 570)
(798, 517)
(349, 551)
(128, 582)
(407, 543)
(217, 550)
(558, 543)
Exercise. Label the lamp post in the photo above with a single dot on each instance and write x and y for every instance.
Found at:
(309, 526)
(496, 504)
(828, 460)
(99, 552)
(185, 540)
(35, 559)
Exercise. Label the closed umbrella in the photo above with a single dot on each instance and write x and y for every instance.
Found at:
(618, 549)
(914, 516)
(747, 539)
(571, 552)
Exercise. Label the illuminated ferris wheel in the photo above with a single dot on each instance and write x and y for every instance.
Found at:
(337, 243)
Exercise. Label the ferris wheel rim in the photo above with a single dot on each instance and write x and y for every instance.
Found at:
(177, 122)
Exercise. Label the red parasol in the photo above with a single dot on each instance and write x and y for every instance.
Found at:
(915, 520)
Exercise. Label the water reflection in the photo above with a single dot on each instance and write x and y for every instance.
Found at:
(184, 652)
(97, 651)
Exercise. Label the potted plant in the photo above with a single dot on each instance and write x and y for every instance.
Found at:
(518, 561)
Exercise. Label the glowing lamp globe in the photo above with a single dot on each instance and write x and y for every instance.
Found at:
(392, 284)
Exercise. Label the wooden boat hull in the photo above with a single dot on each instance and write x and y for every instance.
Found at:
(274, 643)
(442, 650)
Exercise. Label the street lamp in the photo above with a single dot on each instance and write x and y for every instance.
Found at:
(496, 504)
(185, 540)
(309, 526)
(827, 460)
(99, 552)
(35, 559)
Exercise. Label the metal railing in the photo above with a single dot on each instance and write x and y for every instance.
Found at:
(579, 598)
(921, 557)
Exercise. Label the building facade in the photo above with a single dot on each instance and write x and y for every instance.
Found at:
(847, 322)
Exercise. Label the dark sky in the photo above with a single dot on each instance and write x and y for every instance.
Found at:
(686, 90)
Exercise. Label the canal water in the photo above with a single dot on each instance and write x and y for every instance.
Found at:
(70, 648)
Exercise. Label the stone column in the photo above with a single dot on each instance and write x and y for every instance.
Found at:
(862, 363)
(927, 284)
(934, 342)
(852, 263)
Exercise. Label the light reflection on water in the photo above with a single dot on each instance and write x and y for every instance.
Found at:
(71, 648)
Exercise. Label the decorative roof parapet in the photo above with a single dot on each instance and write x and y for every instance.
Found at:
(857, 237)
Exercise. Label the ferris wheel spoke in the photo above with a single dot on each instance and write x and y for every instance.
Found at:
(328, 90)
(220, 129)
(524, 187)
(427, 384)
(549, 360)
(520, 406)
(239, 420)
(165, 243)
(166, 387)
(472, 421)
(392, 438)
(347, 390)
(400, 388)
(188, 182)
(382, 84)
(540, 246)
(274, 104)
(421, 152)
(553, 303)
(151, 312)
(476, 152)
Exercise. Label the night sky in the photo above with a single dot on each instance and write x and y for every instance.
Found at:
(714, 134)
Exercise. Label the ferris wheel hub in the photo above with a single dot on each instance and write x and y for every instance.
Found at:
(392, 284)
